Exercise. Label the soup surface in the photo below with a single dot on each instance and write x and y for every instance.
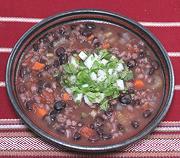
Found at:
(90, 83)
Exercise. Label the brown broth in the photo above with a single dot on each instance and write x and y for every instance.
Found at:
(123, 44)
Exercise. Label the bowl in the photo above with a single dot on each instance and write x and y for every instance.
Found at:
(94, 15)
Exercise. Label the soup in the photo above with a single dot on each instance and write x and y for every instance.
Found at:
(90, 83)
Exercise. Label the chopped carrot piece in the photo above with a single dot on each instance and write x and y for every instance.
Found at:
(106, 45)
(86, 132)
(90, 37)
(139, 84)
(38, 66)
(66, 96)
(41, 112)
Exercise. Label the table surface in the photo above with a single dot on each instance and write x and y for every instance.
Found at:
(161, 17)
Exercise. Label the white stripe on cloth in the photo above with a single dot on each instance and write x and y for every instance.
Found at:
(19, 19)
(155, 145)
(2, 84)
(5, 127)
(160, 24)
(177, 87)
(34, 143)
(171, 54)
(5, 50)
(35, 20)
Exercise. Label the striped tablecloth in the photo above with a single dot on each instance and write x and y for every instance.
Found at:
(162, 17)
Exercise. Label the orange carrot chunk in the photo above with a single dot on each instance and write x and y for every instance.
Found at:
(66, 96)
(90, 38)
(41, 112)
(86, 132)
(38, 66)
(138, 84)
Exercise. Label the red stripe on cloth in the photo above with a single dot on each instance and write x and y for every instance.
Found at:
(11, 32)
(3, 63)
(7, 112)
(176, 65)
(173, 114)
(138, 9)
(169, 37)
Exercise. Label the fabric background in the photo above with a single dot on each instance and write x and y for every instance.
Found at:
(161, 17)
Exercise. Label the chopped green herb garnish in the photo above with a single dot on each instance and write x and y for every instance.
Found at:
(95, 77)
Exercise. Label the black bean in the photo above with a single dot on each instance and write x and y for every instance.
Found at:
(56, 63)
(93, 138)
(40, 84)
(60, 51)
(106, 136)
(131, 91)
(141, 54)
(53, 114)
(59, 105)
(47, 85)
(77, 136)
(35, 47)
(21, 89)
(135, 124)
(147, 113)
(91, 126)
(125, 99)
(63, 58)
(47, 67)
(61, 130)
(90, 26)
(23, 72)
(99, 121)
(100, 131)
(120, 127)
(86, 32)
(96, 43)
(29, 105)
(138, 102)
(155, 64)
(42, 61)
(151, 71)
(131, 63)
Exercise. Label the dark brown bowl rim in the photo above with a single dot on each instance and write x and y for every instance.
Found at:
(46, 136)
